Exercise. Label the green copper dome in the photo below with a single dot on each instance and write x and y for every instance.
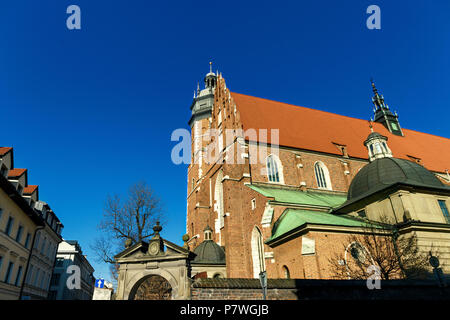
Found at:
(384, 172)
(209, 252)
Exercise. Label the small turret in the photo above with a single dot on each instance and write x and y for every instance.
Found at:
(377, 145)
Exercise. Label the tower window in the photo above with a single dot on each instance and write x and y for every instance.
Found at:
(394, 126)
(444, 210)
(378, 148)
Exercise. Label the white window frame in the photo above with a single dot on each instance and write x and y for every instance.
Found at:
(323, 176)
(257, 246)
(277, 165)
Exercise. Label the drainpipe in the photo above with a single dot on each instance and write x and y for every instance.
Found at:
(29, 259)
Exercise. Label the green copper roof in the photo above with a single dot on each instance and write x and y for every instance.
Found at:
(384, 172)
(300, 197)
(294, 218)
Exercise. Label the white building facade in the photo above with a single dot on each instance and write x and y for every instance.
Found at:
(73, 275)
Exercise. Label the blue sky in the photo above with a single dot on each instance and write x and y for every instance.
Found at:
(91, 111)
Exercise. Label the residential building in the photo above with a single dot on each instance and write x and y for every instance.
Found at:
(18, 225)
(23, 220)
(73, 276)
(43, 255)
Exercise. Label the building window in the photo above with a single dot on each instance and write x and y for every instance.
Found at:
(8, 272)
(43, 245)
(218, 197)
(42, 280)
(52, 295)
(1, 261)
(357, 252)
(9, 225)
(19, 233)
(273, 172)
(27, 240)
(257, 252)
(36, 243)
(253, 204)
(1, 213)
(362, 213)
(444, 210)
(287, 274)
(36, 277)
(59, 262)
(29, 274)
(19, 274)
(322, 176)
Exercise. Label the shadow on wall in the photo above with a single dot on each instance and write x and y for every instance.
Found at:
(301, 289)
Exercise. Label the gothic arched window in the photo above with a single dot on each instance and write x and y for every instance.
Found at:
(218, 205)
(274, 169)
(322, 176)
(287, 274)
(257, 252)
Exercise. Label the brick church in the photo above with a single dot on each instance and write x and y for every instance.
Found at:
(278, 187)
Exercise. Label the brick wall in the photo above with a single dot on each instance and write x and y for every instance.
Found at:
(299, 289)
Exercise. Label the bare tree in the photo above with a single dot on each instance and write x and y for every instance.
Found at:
(396, 256)
(130, 220)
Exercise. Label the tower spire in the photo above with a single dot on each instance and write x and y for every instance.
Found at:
(383, 114)
(377, 99)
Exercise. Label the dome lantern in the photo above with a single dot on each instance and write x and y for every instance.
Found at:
(377, 146)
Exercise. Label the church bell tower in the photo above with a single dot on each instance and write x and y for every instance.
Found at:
(202, 104)
(201, 109)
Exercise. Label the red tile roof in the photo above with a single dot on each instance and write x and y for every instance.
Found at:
(316, 130)
(4, 150)
(15, 173)
(29, 189)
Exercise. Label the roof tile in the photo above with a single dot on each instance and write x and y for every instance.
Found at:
(315, 130)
